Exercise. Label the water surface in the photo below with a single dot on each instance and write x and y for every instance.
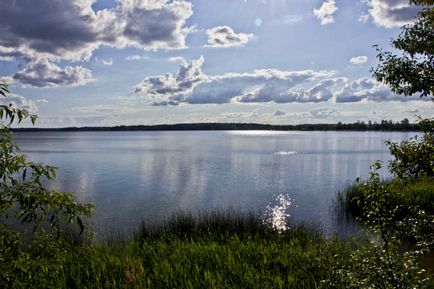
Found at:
(130, 176)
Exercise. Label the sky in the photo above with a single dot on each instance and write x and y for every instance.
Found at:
(133, 62)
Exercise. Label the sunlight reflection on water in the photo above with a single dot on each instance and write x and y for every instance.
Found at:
(285, 153)
(260, 132)
(276, 212)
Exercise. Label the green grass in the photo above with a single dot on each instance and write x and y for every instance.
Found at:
(218, 225)
(402, 192)
(219, 249)
(181, 263)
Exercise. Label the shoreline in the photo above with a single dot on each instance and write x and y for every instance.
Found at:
(358, 126)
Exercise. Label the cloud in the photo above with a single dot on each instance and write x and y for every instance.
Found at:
(43, 73)
(326, 11)
(136, 57)
(176, 59)
(72, 30)
(392, 13)
(358, 60)
(279, 113)
(42, 100)
(19, 101)
(367, 89)
(167, 85)
(412, 111)
(192, 86)
(364, 17)
(7, 58)
(151, 24)
(107, 62)
(102, 109)
(224, 36)
(324, 113)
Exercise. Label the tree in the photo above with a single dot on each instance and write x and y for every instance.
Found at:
(411, 72)
(22, 192)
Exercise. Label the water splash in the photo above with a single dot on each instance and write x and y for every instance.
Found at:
(285, 153)
(276, 213)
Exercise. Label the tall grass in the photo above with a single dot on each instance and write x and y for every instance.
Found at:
(218, 249)
(218, 224)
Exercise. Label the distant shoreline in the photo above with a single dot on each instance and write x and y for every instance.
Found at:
(358, 126)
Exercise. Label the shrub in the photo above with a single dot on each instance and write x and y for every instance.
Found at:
(414, 157)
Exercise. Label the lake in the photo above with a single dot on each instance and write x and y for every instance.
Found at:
(131, 176)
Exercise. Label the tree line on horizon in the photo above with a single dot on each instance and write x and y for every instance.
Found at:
(383, 125)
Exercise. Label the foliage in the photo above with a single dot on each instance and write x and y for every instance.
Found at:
(22, 192)
(33, 264)
(397, 213)
(373, 265)
(412, 71)
(414, 157)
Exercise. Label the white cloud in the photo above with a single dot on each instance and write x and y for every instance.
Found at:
(107, 62)
(392, 13)
(324, 113)
(103, 109)
(42, 100)
(168, 85)
(358, 60)
(190, 85)
(176, 59)
(224, 36)
(43, 73)
(364, 17)
(326, 11)
(7, 58)
(136, 57)
(19, 101)
(367, 89)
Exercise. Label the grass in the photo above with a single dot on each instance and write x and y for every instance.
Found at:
(219, 249)
(181, 263)
(402, 192)
(218, 225)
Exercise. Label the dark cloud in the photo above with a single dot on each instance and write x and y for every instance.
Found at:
(70, 29)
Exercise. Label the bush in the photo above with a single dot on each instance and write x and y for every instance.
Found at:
(414, 157)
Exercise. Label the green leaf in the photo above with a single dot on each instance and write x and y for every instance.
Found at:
(33, 118)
